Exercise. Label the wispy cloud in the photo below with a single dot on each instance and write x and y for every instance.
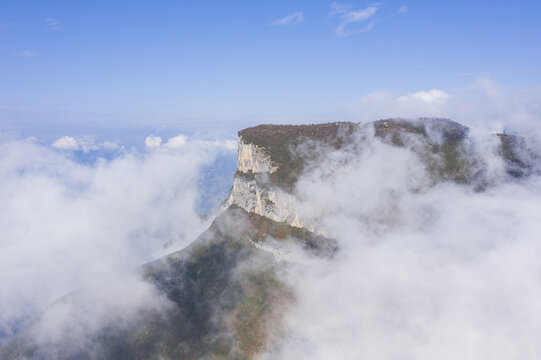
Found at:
(120, 211)
(28, 53)
(291, 19)
(351, 16)
(434, 96)
(483, 103)
(153, 142)
(401, 10)
(84, 143)
(52, 24)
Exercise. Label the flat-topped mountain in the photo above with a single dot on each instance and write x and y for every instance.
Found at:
(275, 148)
(225, 294)
(271, 158)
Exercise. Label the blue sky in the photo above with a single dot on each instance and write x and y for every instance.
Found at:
(124, 69)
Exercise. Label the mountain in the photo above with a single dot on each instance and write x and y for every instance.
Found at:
(224, 296)
(271, 158)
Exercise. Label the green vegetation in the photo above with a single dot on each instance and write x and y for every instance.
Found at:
(227, 300)
(393, 129)
(293, 147)
(446, 157)
(264, 299)
(515, 150)
(281, 143)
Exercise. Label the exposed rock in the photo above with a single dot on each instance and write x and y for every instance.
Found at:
(253, 159)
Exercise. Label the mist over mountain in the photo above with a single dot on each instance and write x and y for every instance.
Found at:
(412, 238)
(270, 180)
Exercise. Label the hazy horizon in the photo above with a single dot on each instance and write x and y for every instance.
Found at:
(123, 71)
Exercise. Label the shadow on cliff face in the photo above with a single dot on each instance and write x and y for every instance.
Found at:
(428, 269)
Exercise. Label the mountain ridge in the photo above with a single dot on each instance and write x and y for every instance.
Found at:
(273, 157)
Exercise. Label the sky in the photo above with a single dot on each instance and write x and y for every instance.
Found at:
(123, 70)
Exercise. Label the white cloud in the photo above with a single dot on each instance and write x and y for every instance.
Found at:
(153, 142)
(176, 141)
(348, 17)
(109, 145)
(84, 143)
(445, 272)
(66, 143)
(433, 96)
(180, 141)
(291, 19)
(28, 53)
(52, 24)
(67, 225)
(230, 145)
(339, 8)
(88, 143)
(401, 10)
(483, 103)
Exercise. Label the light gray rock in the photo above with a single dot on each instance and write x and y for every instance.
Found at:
(252, 191)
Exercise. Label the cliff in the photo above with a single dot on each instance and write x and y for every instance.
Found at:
(269, 165)
(271, 158)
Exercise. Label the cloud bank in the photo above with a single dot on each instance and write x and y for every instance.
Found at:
(424, 272)
(84, 144)
(67, 225)
(291, 19)
(484, 104)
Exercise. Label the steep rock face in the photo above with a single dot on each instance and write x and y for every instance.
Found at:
(259, 198)
(252, 192)
(268, 167)
(253, 159)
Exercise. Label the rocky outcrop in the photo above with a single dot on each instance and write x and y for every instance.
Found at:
(253, 159)
(267, 169)
(255, 195)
